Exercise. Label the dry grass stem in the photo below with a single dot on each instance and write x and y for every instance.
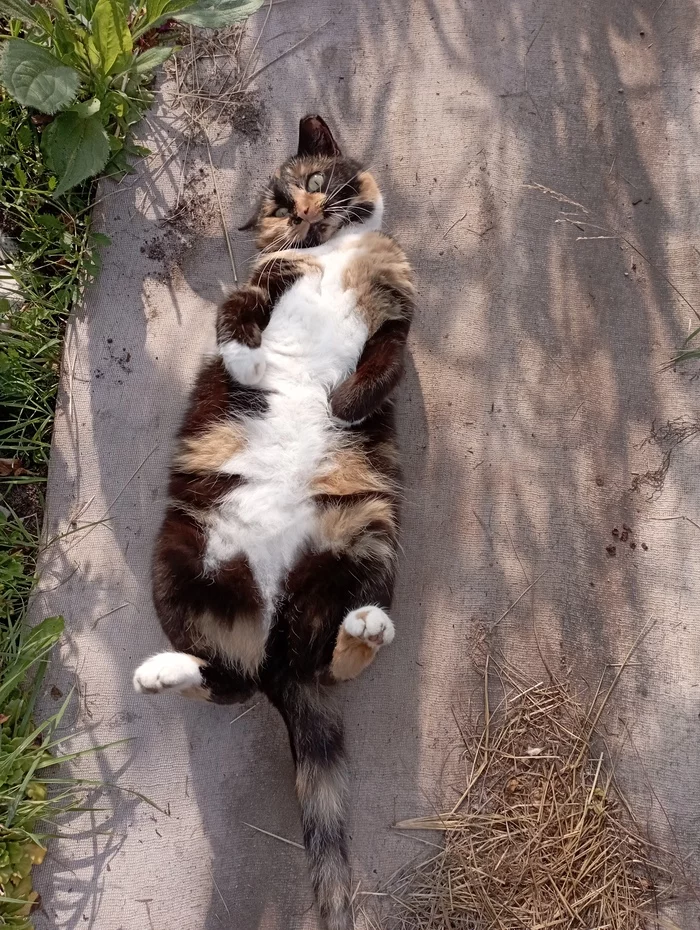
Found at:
(206, 92)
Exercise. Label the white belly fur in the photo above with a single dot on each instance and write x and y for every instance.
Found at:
(313, 341)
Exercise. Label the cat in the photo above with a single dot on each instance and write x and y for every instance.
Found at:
(274, 567)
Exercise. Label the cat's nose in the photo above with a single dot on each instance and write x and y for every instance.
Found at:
(311, 215)
(308, 208)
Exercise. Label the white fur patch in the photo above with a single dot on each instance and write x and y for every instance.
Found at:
(168, 671)
(244, 364)
(312, 343)
(371, 624)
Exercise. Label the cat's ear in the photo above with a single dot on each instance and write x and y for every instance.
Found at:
(251, 223)
(315, 138)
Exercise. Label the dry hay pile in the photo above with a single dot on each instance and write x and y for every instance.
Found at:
(541, 837)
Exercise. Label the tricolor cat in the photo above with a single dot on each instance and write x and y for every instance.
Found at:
(274, 567)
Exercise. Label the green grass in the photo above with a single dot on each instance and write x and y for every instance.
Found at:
(50, 253)
(687, 354)
(53, 257)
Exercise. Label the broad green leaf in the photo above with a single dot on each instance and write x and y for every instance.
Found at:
(49, 221)
(94, 56)
(213, 14)
(150, 59)
(75, 149)
(29, 12)
(159, 12)
(110, 32)
(36, 78)
(67, 42)
(86, 108)
(157, 9)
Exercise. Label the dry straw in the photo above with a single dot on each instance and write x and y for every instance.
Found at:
(541, 838)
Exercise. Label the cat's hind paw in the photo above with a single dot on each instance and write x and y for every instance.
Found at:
(245, 364)
(370, 624)
(168, 671)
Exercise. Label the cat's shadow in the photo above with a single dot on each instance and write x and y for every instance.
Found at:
(238, 770)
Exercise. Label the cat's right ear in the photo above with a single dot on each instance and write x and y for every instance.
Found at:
(251, 224)
(315, 138)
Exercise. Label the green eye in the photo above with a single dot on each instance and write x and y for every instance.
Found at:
(281, 211)
(315, 183)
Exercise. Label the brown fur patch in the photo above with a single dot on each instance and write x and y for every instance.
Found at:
(386, 456)
(209, 398)
(367, 187)
(243, 315)
(301, 168)
(359, 528)
(350, 656)
(194, 494)
(349, 471)
(381, 277)
(206, 452)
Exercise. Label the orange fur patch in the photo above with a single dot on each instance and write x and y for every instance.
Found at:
(368, 189)
(349, 472)
(208, 451)
(364, 529)
(242, 643)
(350, 656)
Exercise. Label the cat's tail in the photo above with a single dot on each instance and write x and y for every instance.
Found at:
(316, 736)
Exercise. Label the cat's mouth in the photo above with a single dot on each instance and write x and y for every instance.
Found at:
(312, 229)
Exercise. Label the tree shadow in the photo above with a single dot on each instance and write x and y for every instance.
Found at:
(504, 146)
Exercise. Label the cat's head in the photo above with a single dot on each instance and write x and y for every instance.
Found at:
(314, 194)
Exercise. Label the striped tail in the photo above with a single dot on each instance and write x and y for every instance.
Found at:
(316, 735)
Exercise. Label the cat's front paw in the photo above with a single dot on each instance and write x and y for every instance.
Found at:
(370, 624)
(245, 364)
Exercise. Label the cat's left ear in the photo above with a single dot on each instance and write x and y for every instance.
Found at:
(315, 138)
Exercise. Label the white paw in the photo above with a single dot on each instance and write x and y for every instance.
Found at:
(244, 364)
(370, 624)
(167, 671)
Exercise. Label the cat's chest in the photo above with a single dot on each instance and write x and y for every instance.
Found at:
(316, 331)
